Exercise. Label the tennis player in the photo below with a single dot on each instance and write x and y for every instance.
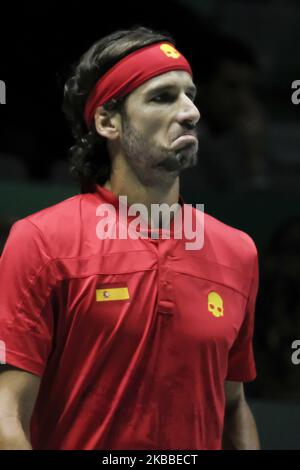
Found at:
(127, 342)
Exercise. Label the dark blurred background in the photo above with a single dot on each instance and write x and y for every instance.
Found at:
(245, 56)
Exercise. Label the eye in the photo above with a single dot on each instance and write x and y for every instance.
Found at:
(168, 97)
(163, 98)
(191, 96)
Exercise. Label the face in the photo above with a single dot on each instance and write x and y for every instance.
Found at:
(158, 135)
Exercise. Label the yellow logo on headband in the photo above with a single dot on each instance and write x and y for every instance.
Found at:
(170, 51)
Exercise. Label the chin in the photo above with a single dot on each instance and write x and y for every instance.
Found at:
(187, 160)
(178, 161)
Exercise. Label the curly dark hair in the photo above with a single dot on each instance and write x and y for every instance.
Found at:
(90, 162)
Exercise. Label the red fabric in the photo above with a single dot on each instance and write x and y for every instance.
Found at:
(130, 72)
(143, 373)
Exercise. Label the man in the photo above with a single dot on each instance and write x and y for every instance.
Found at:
(127, 343)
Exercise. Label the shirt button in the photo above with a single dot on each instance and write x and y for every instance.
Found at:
(106, 294)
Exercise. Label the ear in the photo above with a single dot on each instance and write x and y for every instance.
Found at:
(107, 123)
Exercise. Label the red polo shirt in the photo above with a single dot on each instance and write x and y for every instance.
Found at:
(133, 338)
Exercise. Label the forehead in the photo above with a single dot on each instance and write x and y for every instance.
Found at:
(175, 78)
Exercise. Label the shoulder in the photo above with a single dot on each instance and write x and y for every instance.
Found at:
(57, 229)
(228, 245)
(228, 236)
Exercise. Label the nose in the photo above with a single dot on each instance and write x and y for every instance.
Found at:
(188, 111)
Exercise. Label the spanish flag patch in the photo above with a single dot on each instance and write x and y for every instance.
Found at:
(112, 293)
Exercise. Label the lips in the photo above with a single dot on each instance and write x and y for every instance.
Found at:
(183, 140)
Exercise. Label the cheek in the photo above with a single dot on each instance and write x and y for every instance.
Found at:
(152, 125)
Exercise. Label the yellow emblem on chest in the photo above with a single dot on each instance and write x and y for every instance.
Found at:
(215, 304)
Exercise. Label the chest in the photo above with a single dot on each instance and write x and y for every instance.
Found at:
(124, 294)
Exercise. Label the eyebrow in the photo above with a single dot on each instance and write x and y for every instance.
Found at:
(163, 88)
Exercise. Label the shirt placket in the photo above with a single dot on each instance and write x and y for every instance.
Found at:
(165, 303)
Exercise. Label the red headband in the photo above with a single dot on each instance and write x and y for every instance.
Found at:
(130, 72)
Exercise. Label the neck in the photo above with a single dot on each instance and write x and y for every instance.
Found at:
(136, 192)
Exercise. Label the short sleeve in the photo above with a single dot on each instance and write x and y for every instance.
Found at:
(241, 362)
(26, 282)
